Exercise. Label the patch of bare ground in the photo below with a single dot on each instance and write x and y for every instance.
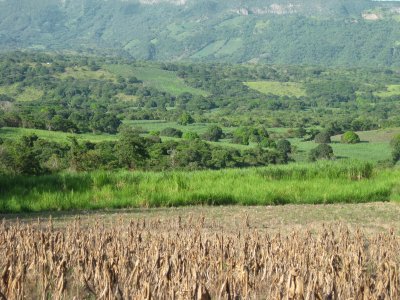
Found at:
(370, 217)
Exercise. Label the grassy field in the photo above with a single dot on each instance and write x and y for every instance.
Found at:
(56, 136)
(324, 182)
(391, 90)
(157, 78)
(209, 49)
(24, 94)
(158, 125)
(374, 136)
(12, 133)
(82, 73)
(373, 152)
(290, 89)
(374, 146)
(127, 98)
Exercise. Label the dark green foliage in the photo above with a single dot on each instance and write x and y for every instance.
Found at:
(324, 137)
(171, 132)
(350, 137)
(328, 33)
(190, 135)
(214, 133)
(83, 104)
(105, 123)
(298, 132)
(244, 135)
(131, 150)
(395, 144)
(19, 157)
(322, 151)
(185, 119)
(284, 147)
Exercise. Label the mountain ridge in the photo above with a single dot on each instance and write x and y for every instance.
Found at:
(333, 32)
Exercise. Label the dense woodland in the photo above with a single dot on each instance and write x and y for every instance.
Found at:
(308, 32)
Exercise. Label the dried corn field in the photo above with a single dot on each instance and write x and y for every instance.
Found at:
(191, 258)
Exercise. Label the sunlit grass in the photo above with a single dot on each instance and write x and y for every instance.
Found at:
(324, 182)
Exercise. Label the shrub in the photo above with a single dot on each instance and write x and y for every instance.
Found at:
(395, 143)
(171, 132)
(284, 146)
(324, 137)
(185, 119)
(190, 135)
(350, 137)
(213, 134)
(322, 151)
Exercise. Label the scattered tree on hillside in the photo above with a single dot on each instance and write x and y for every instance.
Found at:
(190, 135)
(185, 119)
(350, 137)
(324, 137)
(171, 132)
(322, 151)
(131, 149)
(213, 134)
(284, 146)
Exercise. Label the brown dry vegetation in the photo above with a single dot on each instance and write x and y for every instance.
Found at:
(195, 258)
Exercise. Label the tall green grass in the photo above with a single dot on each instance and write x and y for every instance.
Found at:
(324, 182)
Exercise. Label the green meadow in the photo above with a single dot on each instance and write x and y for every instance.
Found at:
(82, 73)
(391, 90)
(13, 133)
(162, 80)
(21, 94)
(374, 146)
(322, 182)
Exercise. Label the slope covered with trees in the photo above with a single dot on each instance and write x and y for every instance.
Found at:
(331, 32)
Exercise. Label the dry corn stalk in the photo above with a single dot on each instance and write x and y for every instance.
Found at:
(179, 260)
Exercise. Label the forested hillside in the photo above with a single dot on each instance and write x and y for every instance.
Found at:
(84, 113)
(331, 32)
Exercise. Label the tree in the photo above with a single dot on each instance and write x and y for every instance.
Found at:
(105, 123)
(131, 149)
(324, 137)
(350, 137)
(171, 132)
(213, 134)
(223, 158)
(395, 143)
(298, 132)
(284, 146)
(190, 135)
(322, 151)
(19, 157)
(192, 155)
(185, 119)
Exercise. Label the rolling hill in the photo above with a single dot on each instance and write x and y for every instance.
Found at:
(330, 32)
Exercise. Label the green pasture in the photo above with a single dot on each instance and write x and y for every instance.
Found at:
(21, 94)
(82, 73)
(12, 133)
(391, 90)
(323, 182)
(158, 125)
(160, 79)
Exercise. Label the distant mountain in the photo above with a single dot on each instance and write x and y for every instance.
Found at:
(325, 32)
